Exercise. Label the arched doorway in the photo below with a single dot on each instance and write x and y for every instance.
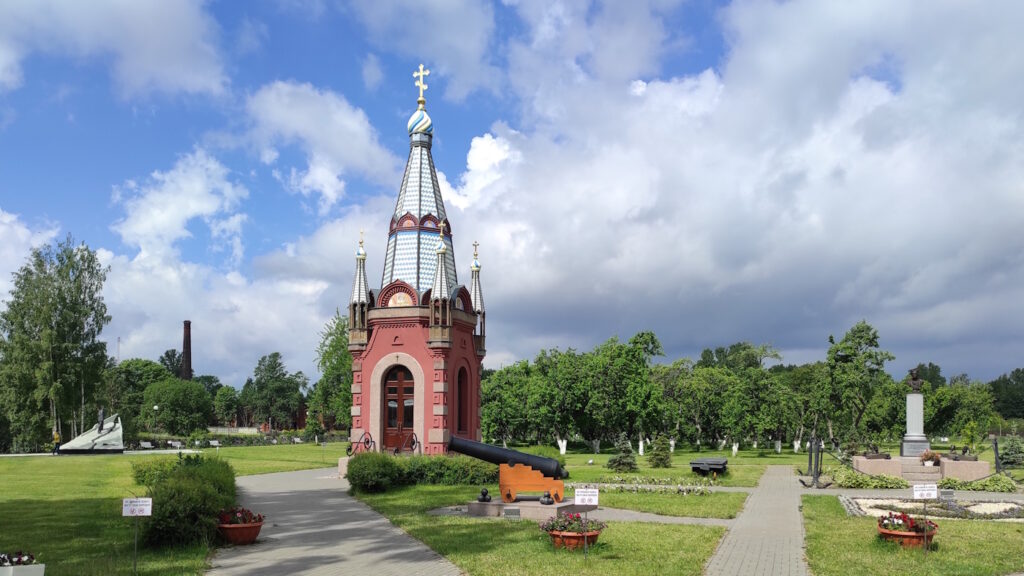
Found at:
(399, 399)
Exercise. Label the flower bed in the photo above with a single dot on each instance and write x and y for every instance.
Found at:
(572, 531)
(906, 530)
(20, 564)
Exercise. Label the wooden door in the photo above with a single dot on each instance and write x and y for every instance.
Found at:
(399, 399)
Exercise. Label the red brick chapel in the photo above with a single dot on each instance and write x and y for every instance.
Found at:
(417, 342)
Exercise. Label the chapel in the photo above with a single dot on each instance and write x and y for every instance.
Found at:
(417, 341)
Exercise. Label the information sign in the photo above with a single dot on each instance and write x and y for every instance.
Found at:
(586, 497)
(137, 507)
(926, 492)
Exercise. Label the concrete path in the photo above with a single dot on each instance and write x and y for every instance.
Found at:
(767, 539)
(314, 527)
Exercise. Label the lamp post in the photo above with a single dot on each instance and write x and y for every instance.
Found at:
(156, 413)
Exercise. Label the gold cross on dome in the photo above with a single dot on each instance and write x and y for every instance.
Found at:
(443, 226)
(420, 77)
(475, 246)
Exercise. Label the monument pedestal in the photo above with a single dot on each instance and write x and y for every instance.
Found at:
(914, 441)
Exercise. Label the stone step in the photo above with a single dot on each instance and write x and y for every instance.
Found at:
(919, 468)
(922, 478)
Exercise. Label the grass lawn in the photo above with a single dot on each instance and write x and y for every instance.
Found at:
(485, 547)
(67, 510)
(744, 470)
(714, 505)
(839, 545)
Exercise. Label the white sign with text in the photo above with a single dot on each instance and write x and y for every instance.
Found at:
(926, 492)
(137, 507)
(586, 497)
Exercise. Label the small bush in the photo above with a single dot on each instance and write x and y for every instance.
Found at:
(624, 460)
(374, 472)
(997, 483)
(198, 438)
(661, 453)
(450, 471)
(149, 472)
(849, 478)
(186, 501)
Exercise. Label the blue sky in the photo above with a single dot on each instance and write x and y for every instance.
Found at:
(715, 172)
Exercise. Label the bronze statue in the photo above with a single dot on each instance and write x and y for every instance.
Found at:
(915, 381)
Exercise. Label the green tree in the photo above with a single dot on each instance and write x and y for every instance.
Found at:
(180, 406)
(503, 412)
(1008, 394)
(856, 366)
(278, 393)
(330, 402)
(171, 359)
(661, 453)
(51, 360)
(932, 374)
(225, 405)
(210, 382)
(124, 386)
(622, 396)
(555, 394)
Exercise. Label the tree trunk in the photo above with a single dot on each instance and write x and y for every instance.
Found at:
(671, 444)
(595, 445)
(562, 443)
(735, 448)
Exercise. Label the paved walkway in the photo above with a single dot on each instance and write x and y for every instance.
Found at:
(314, 527)
(767, 538)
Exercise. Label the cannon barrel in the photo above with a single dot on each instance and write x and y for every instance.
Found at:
(498, 455)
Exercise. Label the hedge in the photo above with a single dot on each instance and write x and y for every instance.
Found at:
(186, 500)
(378, 472)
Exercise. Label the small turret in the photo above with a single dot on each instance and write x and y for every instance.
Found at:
(476, 294)
(359, 303)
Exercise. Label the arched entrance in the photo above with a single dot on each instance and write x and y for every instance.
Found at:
(399, 401)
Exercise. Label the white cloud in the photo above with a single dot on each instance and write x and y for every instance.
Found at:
(800, 189)
(157, 212)
(454, 39)
(250, 36)
(164, 47)
(336, 136)
(16, 242)
(372, 73)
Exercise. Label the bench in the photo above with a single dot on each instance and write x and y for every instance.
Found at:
(704, 466)
(215, 443)
(174, 444)
(296, 440)
(146, 445)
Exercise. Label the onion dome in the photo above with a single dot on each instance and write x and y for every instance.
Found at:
(419, 123)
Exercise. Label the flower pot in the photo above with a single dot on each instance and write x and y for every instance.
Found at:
(29, 570)
(907, 539)
(240, 533)
(572, 540)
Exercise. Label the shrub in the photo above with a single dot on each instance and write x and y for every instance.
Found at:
(996, 483)
(186, 501)
(149, 472)
(624, 461)
(661, 455)
(200, 438)
(451, 470)
(374, 472)
(849, 478)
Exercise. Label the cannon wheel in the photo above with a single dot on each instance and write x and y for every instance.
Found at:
(509, 496)
(557, 497)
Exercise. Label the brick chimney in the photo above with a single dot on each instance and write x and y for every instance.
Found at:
(186, 352)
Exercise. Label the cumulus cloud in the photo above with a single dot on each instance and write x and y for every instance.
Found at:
(157, 212)
(336, 136)
(836, 167)
(453, 38)
(164, 47)
(17, 239)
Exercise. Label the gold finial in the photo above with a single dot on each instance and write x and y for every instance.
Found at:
(360, 237)
(475, 246)
(420, 77)
(442, 226)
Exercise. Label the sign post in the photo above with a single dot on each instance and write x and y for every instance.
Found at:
(926, 492)
(587, 497)
(136, 507)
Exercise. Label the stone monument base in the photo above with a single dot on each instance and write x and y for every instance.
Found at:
(527, 510)
(914, 446)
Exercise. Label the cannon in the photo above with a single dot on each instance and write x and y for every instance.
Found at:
(517, 472)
